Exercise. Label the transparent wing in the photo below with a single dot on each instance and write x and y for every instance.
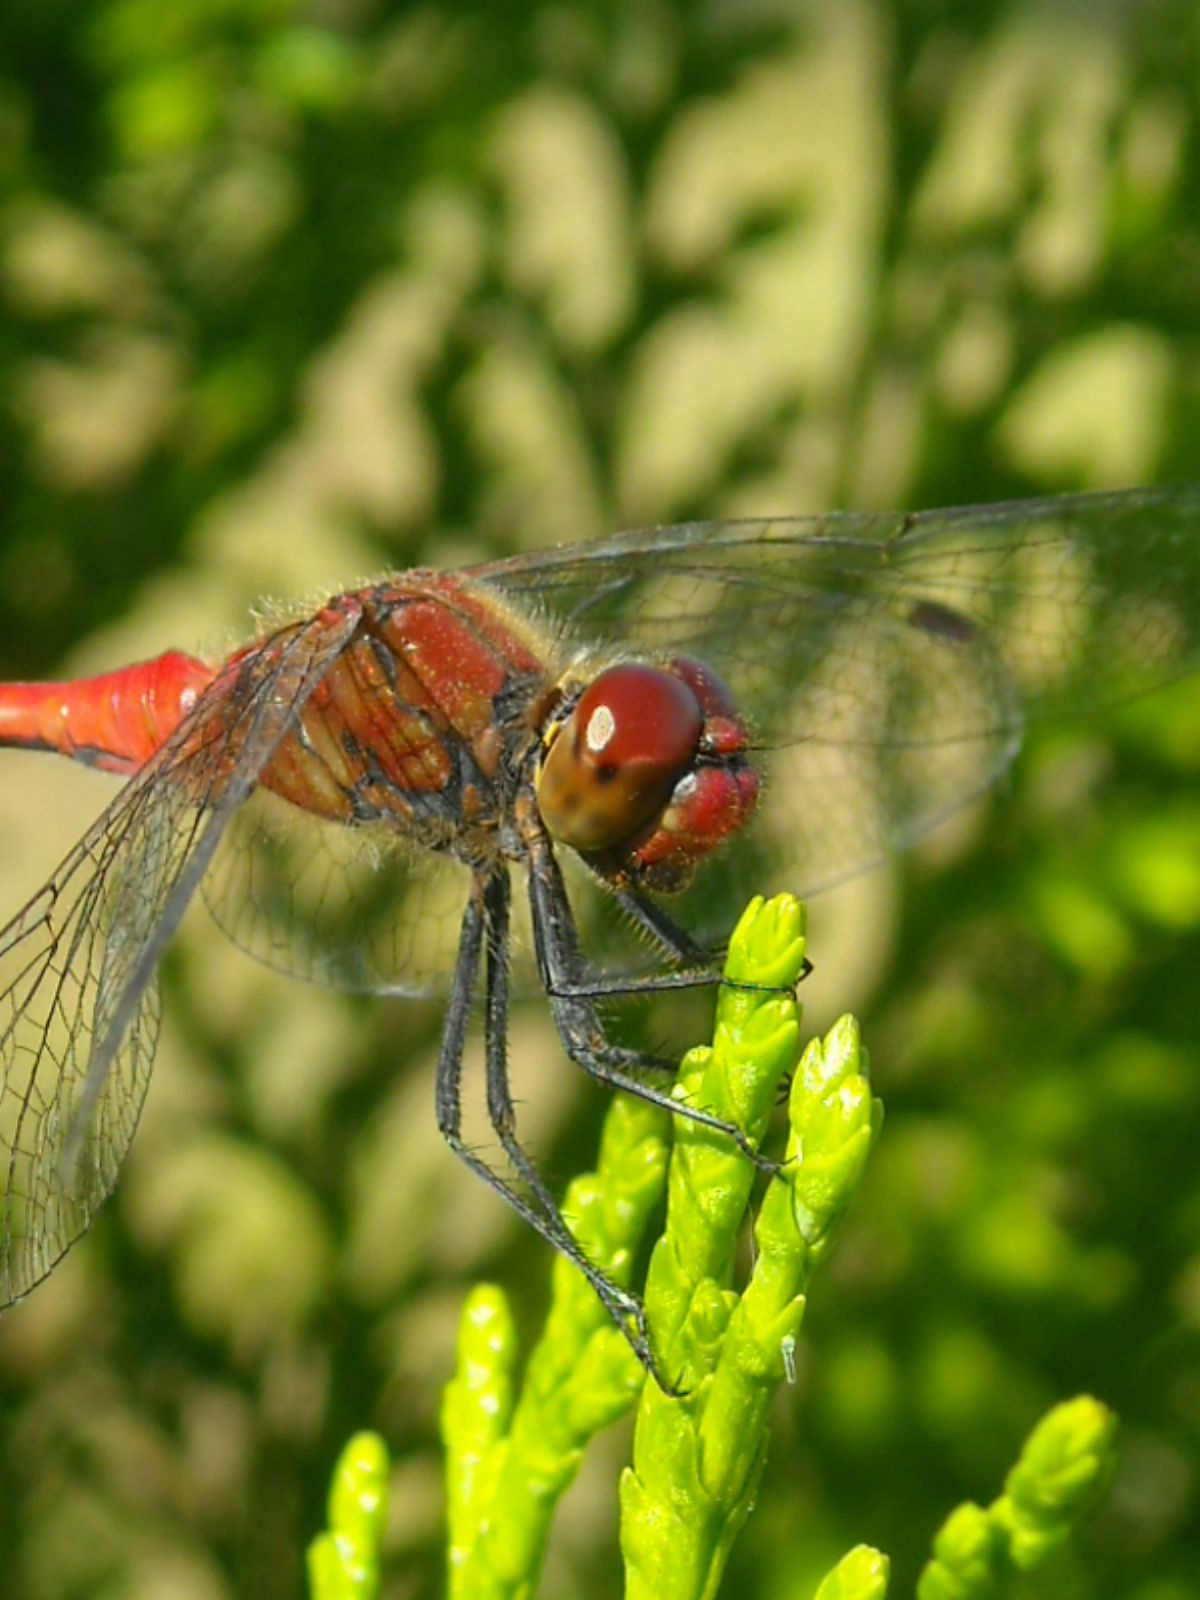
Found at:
(79, 1005)
(891, 662)
(362, 909)
(356, 908)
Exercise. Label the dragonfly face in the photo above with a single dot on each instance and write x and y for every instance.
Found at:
(645, 773)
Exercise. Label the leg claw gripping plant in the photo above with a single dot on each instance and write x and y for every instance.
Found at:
(698, 1453)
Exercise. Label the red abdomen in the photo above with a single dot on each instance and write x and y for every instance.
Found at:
(115, 721)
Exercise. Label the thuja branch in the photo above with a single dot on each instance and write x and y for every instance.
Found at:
(698, 1453)
(697, 1458)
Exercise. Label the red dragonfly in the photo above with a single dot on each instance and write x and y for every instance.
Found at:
(655, 713)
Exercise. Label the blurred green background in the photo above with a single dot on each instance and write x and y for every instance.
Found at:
(296, 294)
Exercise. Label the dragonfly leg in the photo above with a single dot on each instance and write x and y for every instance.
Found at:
(668, 935)
(448, 1089)
(702, 969)
(622, 1304)
(487, 910)
(705, 964)
(597, 986)
(560, 965)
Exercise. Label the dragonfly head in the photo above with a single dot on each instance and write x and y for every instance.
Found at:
(646, 773)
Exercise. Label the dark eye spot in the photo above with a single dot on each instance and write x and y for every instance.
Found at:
(605, 772)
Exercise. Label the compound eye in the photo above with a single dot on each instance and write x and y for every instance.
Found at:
(711, 690)
(633, 734)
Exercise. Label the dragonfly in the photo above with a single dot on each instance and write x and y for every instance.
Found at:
(638, 728)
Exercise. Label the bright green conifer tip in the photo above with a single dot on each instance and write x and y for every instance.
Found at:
(343, 1562)
(1064, 1467)
(861, 1574)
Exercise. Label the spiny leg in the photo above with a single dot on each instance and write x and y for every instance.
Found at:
(698, 969)
(620, 1303)
(448, 1086)
(450, 1059)
(487, 908)
(701, 969)
(703, 965)
(560, 964)
(668, 935)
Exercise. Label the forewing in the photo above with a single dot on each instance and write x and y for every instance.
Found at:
(890, 663)
(79, 1005)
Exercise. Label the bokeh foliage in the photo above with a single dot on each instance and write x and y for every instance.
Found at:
(292, 295)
